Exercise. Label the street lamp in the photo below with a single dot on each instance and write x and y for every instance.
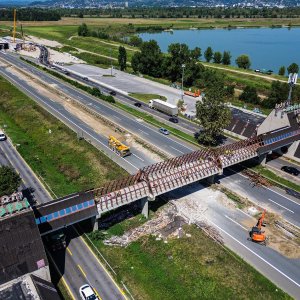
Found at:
(183, 66)
(291, 81)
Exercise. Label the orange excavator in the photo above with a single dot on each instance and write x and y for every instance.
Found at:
(256, 234)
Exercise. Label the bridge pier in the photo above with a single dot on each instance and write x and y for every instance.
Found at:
(145, 205)
(95, 222)
(262, 159)
(211, 179)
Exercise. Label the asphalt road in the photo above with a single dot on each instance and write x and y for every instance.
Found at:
(150, 134)
(10, 156)
(77, 264)
(280, 275)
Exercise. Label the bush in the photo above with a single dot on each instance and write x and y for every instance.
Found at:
(249, 95)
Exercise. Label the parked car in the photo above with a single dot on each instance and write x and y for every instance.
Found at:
(87, 293)
(137, 104)
(113, 93)
(164, 131)
(173, 120)
(2, 136)
(257, 70)
(291, 170)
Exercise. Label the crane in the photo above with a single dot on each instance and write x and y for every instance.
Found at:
(118, 147)
(256, 234)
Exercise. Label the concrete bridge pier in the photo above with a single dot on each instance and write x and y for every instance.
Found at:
(95, 222)
(211, 179)
(262, 159)
(145, 205)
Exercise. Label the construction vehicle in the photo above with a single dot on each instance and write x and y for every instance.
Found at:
(256, 234)
(163, 106)
(118, 147)
(193, 94)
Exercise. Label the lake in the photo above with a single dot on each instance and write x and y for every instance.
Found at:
(267, 48)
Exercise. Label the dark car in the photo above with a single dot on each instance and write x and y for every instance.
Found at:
(290, 170)
(137, 104)
(113, 93)
(173, 120)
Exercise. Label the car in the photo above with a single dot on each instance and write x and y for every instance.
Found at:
(164, 131)
(137, 104)
(257, 70)
(85, 78)
(290, 170)
(113, 93)
(173, 120)
(2, 136)
(87, 293)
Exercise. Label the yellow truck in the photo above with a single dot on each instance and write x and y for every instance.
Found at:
(118, 147)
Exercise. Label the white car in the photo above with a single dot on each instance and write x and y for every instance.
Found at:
(2, 136)
(87, 293)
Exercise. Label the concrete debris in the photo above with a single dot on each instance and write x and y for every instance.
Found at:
(256, 179)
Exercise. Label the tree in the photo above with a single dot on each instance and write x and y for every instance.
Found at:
(83, 30)
(208, 54)
(226, 60)
(9, 180)
(243, 61)
(249, 95)
(217, 57)
(279, 92)
(135, 41)
(281, 71)
(293, 68)
(213, 115)
(122, 58)
(149, 60)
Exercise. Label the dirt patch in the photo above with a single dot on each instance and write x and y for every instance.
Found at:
(45, 42)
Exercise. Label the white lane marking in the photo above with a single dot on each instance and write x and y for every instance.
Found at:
(283, 196)
(45, 103)
(111, 108)
(116, 117)
(176, 149)
(281, 205)
(236, 240)
(235, 222)
(137, 157)
(143, 132)
(249, 216)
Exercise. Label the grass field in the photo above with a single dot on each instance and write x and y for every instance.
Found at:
(146, 97)
(188, 268)
(66, 164)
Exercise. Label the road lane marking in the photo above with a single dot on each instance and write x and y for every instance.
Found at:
(96, 292)
(281, 205)
(116, 117)
(62, 278)
(249, 216)
(70, 252)
(253, 252)
(143, 132)
(81, 270)
(283, 196)
(235, 222)
(103, 267)
(64, 117)
(176, 149)
(137, 157)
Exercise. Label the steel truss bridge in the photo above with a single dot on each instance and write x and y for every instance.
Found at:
(157, 179)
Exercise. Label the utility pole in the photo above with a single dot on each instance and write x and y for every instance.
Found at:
(111, 66)
(292, 82)
(183, 66)
(15, 21)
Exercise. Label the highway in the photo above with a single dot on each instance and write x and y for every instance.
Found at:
(77, 264)
(280, 275)
(10, 156)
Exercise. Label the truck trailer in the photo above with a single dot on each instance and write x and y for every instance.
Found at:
(167, 108)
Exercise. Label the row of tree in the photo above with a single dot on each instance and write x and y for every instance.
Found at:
(30, 14)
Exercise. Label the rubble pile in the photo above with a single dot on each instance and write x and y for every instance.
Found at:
(256, 179)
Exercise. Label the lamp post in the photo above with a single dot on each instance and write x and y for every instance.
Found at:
(183, 66)
(291, 81)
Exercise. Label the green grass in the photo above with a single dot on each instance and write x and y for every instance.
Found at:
(147, 97)
(193, 267)
(250, 106)
(96, 60)
(52, 156)
(275, 178)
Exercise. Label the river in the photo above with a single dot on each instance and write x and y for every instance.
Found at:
(268, 48)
